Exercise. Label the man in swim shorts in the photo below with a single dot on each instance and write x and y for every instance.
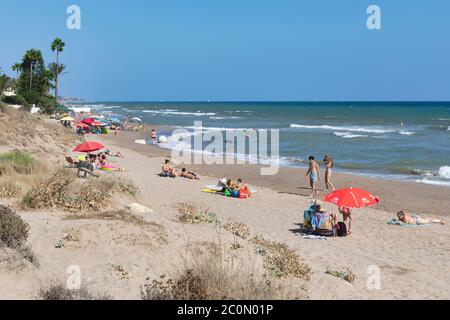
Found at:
(314, 176)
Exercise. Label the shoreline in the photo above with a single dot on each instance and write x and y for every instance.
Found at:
(395, 194)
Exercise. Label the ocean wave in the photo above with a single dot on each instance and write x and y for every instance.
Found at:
(351, 129)
(167, 112)
(349, 135)
(448, 129)
(224, 118)
(444, 172)
(434, 182)
(217, 128)
(406, 133)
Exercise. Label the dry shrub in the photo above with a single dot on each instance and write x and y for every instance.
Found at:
(56, 290)
(188, 213)
(9, 189)
(238, 229)
(280, 259)
(13, 230)
(212, 278)
(50, 192)
(62, 191)
(347, 275)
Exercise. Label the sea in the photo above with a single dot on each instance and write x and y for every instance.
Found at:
(394, 140)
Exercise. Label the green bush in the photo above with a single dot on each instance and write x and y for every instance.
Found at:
(16, 100)
(13, 230)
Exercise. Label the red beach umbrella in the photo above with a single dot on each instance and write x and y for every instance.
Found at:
(351, 198)
(88, 120)
(82, 125)
(88, 147)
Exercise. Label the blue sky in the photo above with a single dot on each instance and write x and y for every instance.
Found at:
(144, 50)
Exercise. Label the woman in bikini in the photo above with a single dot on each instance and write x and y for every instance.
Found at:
(415, 219)
(329, 163)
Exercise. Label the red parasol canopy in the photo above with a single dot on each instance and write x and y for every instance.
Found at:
(82, 125)
(88, 147)
(88, 120)
(351, 198)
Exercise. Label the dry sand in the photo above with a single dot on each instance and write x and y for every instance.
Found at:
(413, 262)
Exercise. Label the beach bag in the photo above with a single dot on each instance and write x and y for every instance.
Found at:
(235, 193)
(227, 193)
(341, 229)
(243, 194)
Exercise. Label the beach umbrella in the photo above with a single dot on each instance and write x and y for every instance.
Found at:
(82, 125)
(88, 147)
(351, 198)
(67, 118)
(88, 120)
(113, 120)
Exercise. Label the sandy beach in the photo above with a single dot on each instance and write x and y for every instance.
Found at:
(118, 256)
(411, 260)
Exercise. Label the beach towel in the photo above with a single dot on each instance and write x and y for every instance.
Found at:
(219, 188)
(314, 237)
(209, 190)
(395, 222)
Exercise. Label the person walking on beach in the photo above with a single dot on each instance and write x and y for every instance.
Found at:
(329, 163)
(126, 121)
(314, 176)
(154, 136)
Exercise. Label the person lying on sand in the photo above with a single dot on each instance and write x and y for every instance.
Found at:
(168, 171)
(188, 174)
(416, 219)
(242, 186)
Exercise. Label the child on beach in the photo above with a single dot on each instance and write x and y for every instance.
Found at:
(314, 176)
(416, 219)
(329, 163)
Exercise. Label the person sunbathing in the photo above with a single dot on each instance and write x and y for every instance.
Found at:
(416, 219)
(168, 171)
(188, 174)
(242, 186)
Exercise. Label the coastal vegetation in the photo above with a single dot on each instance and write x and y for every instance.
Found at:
(34, 80)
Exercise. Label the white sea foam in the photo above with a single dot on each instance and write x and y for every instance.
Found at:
(351, 129)
(444, 172)
(170, 112)
(434, 182)
(349, 135)
(224, 118)
(406, 133)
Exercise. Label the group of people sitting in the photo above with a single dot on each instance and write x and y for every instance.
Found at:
(236, 189)
(321, 222)
(168, 171)
(88, 163)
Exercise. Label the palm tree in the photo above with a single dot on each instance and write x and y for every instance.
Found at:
(56, 70)
(32, 56)
(58, 46)
(4, 83)
(17, 67)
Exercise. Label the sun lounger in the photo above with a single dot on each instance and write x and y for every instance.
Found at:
(72, 163)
